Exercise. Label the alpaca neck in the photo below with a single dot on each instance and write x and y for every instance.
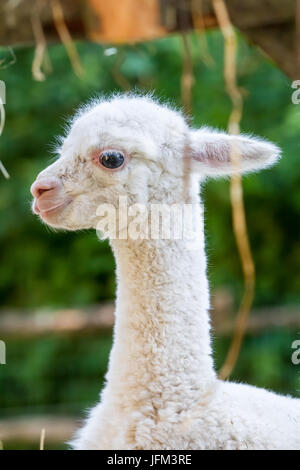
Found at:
(161, 333)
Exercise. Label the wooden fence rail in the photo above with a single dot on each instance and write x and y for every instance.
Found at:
(58, 429)
(81, 321)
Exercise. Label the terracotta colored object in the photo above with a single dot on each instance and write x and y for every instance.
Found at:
(125, 21)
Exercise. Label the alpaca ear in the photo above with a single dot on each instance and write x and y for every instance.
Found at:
(211, 153)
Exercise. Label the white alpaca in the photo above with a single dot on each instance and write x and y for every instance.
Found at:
(162, 391)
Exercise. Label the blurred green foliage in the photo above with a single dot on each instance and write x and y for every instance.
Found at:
(61, 374)
(40, 268)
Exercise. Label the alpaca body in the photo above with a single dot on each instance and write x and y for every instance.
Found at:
(228, 417)
(161, 389)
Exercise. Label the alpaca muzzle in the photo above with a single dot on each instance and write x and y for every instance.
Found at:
(49, 196)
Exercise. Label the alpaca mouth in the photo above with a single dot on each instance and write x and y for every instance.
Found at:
(54, 210)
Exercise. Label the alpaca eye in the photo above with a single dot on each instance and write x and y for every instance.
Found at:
(112, 159)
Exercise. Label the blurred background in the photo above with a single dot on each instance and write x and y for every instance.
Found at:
(57, 289)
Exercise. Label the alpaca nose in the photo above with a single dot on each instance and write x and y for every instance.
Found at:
(42, 185)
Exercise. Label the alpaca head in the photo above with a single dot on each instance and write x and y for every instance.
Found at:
(134, 147)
